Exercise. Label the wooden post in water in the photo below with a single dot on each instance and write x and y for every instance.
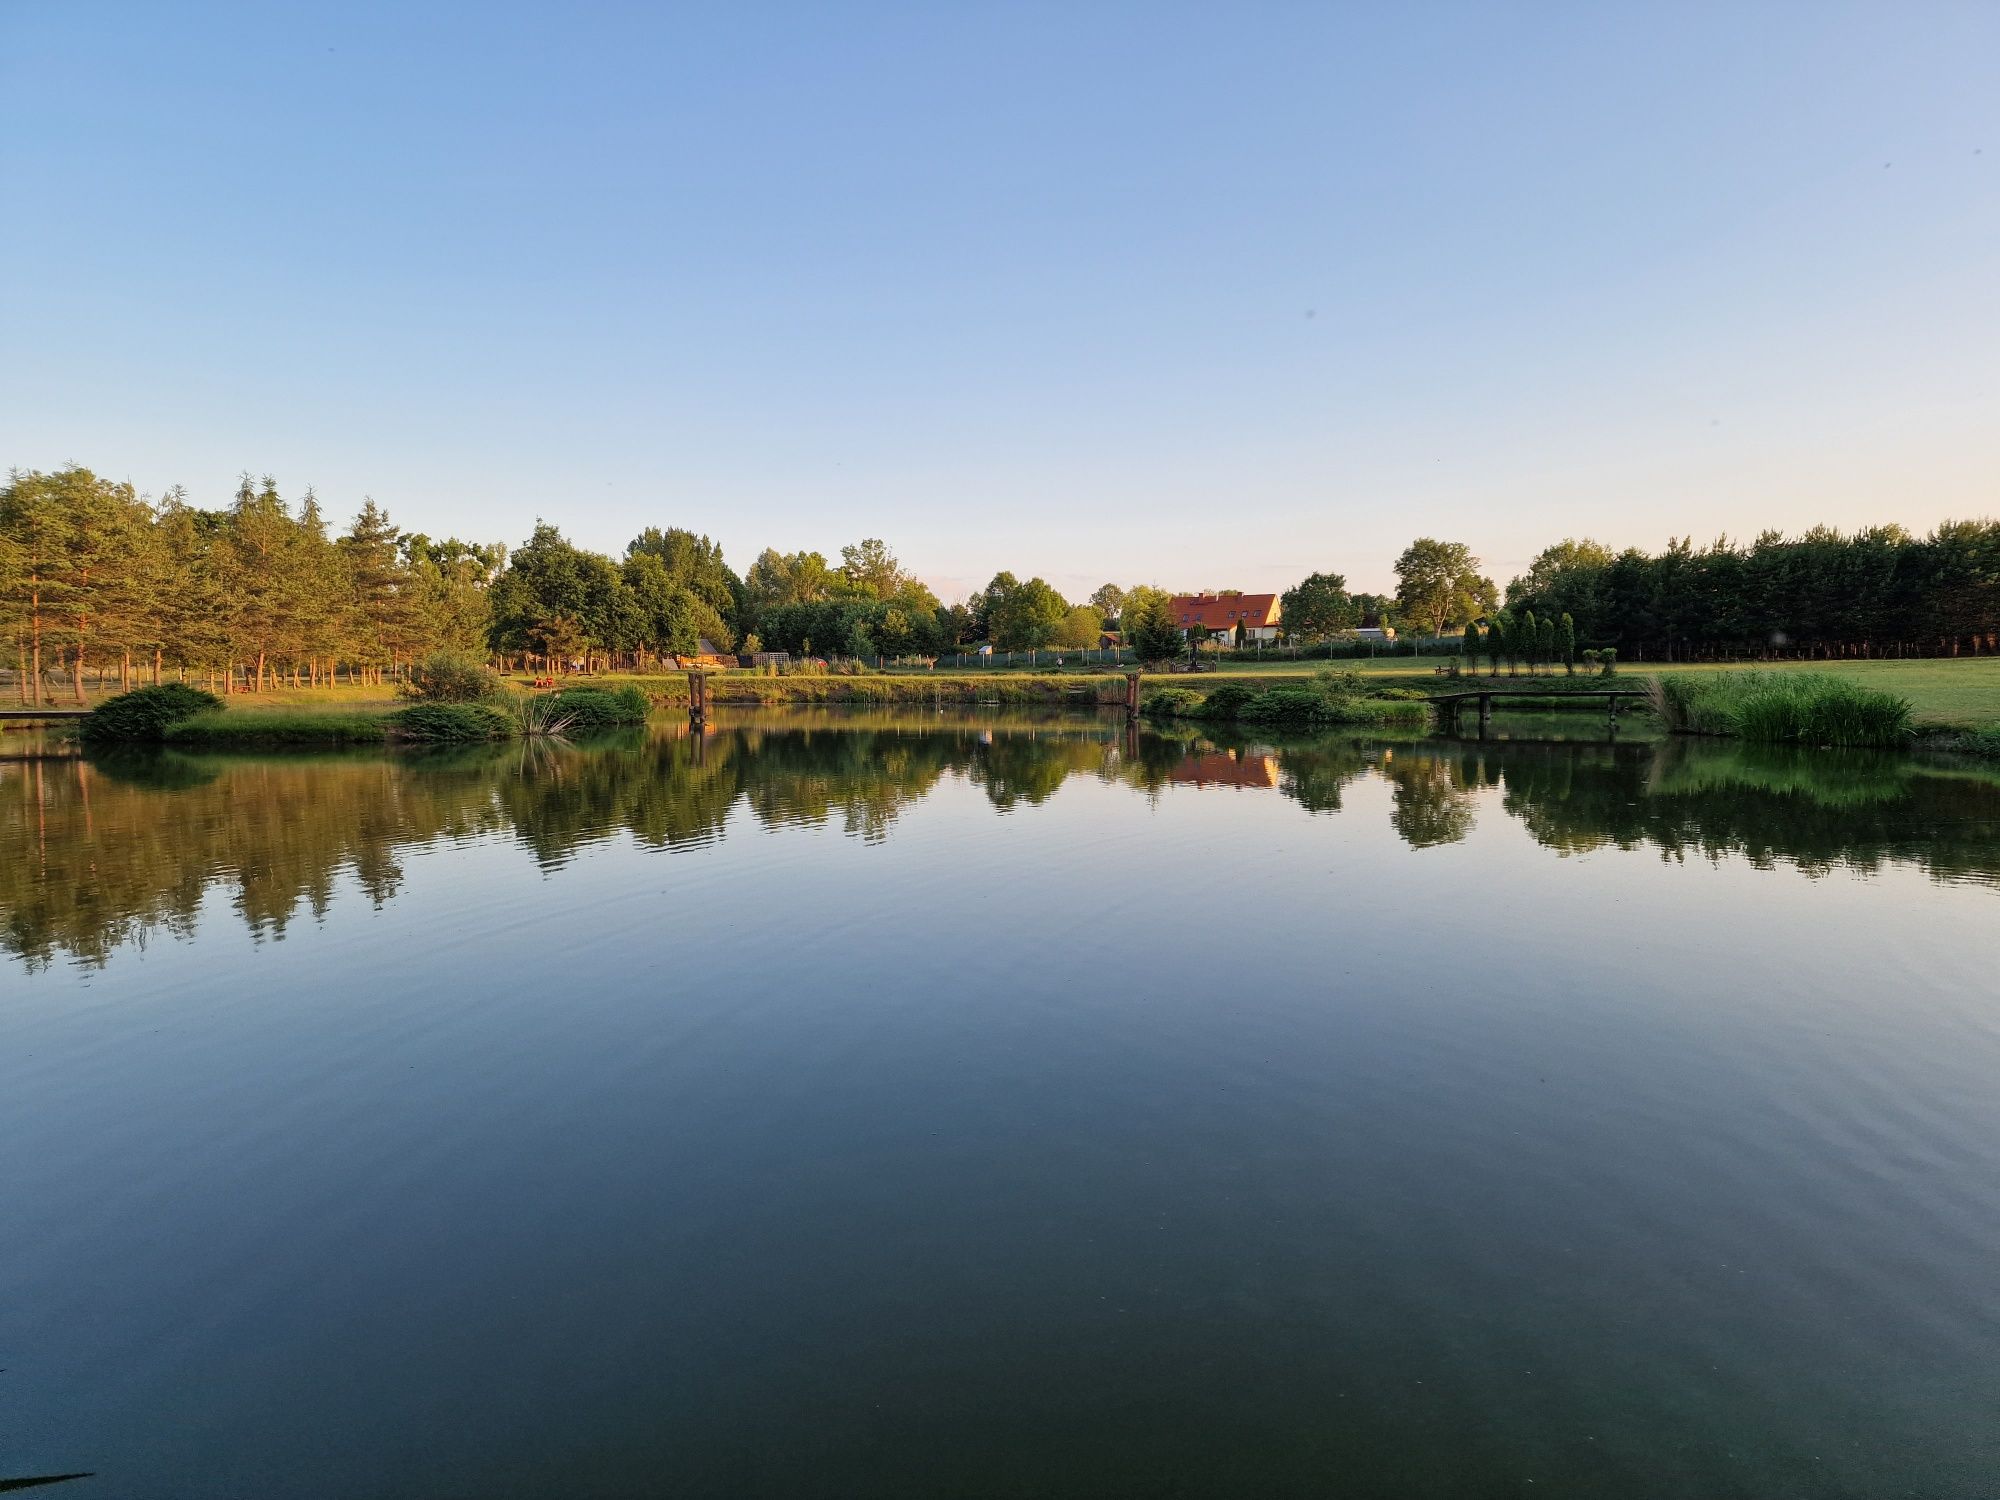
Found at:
(1485, 711)
(1131, 695)
(697, 698)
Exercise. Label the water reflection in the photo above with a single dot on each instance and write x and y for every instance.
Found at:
(100, 852)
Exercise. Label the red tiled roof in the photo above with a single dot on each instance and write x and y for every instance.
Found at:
(1224, 611)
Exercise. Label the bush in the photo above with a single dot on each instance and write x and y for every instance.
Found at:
(448, 677)
(1227, 701)
(599, 708)
(442, 722)
(1341, 682)
(147, 713)
(1173, 703)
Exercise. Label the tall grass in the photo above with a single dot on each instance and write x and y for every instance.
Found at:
(1780, 708)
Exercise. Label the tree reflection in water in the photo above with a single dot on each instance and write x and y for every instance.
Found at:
(101, 852)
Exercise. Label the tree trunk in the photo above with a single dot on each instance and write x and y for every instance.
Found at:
(35, 636)
(76, 668)
(157, 654)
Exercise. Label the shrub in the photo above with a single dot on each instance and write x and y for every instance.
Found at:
(1227, 701)
(147, 713)
(599, 708)
(1173, 703)
(1608, 659)
(1404, 695)
(448, 677)
(440, 722)
(1341, 682)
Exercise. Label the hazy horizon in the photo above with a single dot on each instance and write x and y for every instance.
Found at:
(1202, 297)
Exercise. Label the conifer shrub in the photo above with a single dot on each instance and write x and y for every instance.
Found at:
(147, 713)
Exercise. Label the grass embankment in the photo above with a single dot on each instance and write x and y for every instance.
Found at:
(172, 714)
(1075, 690)
(224, 728)
(1327, 698)
(1782, 708)
(1946, 693)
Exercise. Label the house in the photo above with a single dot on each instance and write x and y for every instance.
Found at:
(1246, 617)
(1382, 633)
(706, 654)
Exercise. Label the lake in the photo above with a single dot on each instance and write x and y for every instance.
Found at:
(855, 1105)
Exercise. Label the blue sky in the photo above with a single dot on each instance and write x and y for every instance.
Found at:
(1198, 295)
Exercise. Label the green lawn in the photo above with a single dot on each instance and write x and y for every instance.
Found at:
(1961, 692)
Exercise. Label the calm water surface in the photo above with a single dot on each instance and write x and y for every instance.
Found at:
(835, 1107)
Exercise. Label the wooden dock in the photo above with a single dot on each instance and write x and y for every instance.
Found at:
(43, 713)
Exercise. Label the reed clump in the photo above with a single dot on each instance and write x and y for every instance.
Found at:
(1780, 708)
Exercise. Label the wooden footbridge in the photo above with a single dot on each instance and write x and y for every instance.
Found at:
(1448, 704)
(43, 713)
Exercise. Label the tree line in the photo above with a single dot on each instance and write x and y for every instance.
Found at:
(1875, 592)
(97, 577)
(94, 574)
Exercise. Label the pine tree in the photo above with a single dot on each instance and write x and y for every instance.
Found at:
(378, 613)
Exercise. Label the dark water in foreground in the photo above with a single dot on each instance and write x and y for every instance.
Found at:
(930, 1107)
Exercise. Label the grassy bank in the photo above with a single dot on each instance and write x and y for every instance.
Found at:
(914, 688)
(188, 717)
(1955, 693)
(1326, 698)
(277, 727)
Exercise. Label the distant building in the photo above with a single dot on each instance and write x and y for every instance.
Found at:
(1222, 615)
(1374, 633)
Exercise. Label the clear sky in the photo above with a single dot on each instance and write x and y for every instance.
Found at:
(1196, 295)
